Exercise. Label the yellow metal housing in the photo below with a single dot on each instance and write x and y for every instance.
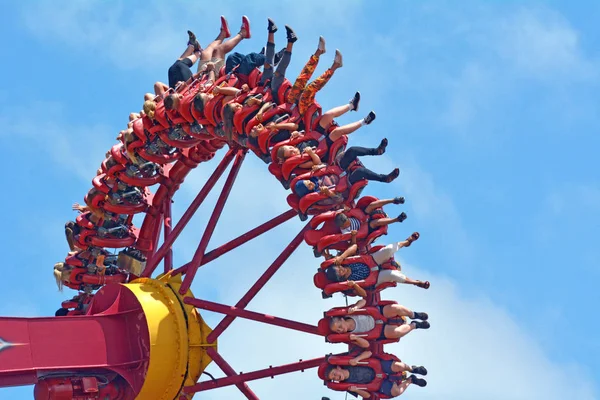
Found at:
(177, 338)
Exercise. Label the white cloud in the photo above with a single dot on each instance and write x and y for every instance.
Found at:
(542, 44)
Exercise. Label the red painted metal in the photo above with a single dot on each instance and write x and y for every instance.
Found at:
(212, 223)
(254, 316)
(285, 254)
(250, 376)
(242, 239)
(230, 372)
(168, 264)
(105, 341)
(187, 216)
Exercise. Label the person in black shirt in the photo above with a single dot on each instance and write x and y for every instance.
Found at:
(364, 375)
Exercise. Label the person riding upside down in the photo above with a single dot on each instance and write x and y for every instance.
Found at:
(358, 271)
(357, 173)
(285, 152)
(274, 77)
(215, 52)
(395, 328)
(394, 385)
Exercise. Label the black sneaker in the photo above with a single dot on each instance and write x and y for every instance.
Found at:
(423, 316)
(370, 118)
(382, 146)
(272, 27)
(421, 324)
(354, 101)
(263, 51)
(278, 56)
(417, 381)
(399, 200)
(419, 370)
(291, 35)
(393, 175)
(191, 38)
(402, 217)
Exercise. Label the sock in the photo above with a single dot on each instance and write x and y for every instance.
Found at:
(363, 122)
(350, 106)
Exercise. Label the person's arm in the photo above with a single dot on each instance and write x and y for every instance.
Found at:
(316, 160)
(359, 304)
(359, 291)
(288, 126)
(350, 251)
(360, 392)
(227, 91)
(262, 110)
(80, 208)
(359, 341)
(362, 356)
(353, 237)
(324, 190)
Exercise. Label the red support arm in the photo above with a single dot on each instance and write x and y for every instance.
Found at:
(254, 316)
(167, 231)
(212, 223)
(189, 213)
(240, 240)
(250, 376)
(229, 371)
(287, 252)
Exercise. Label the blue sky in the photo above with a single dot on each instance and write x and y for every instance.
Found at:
(492, 115)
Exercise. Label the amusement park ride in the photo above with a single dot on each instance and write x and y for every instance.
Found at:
(140, 335)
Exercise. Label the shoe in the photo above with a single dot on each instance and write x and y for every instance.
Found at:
(391, 176)
(291, 35)
(225, 27)
(370, 117)
(321, 45)
(338, 59)
(382, 146)
(263, 50)
(423, 316)
(191, 38)
(399, 200)
(354, 102)
(419, 370)
(421, 324)
(245, 27)
(402, 217)
(417, 381)
(272, 28)
(278, 56)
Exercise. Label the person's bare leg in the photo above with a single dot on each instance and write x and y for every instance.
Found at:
(397, 310)
(327, 118)
(409, 281)
(398, 331)
(226, 47)
(399, 366)
(380, 203)
(382, 222)
(160, 88)
(345, 130)
(188, 52)
(398, 389)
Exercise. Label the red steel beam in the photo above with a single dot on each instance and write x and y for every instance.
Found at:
(189, 213)
(250, 376)
(285, 254)
(242, 239)
(168, 264)
(230, 372)
(212, 223)
(251, 315)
